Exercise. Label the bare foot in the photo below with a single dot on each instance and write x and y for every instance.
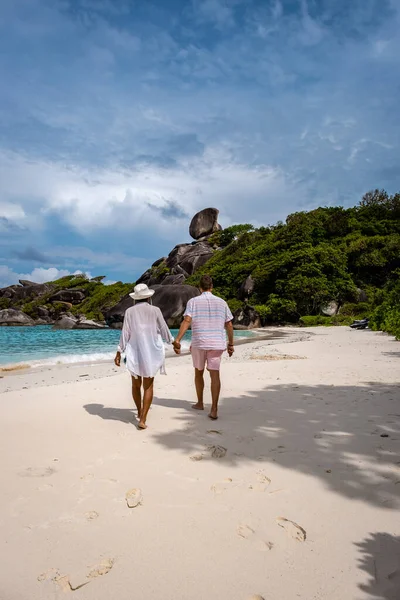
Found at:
(142, 425)
(213, 415)
(198, 406)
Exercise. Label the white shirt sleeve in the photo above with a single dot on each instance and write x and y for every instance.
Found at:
(125, 333)
(163, 328)
(189, 309)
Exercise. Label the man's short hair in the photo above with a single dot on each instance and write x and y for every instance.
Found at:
(206, 283)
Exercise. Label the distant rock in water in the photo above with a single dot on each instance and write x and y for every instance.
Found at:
(66, 321)
(204, 223)
(12, 317)
(170, 299)
(70, 321)
(89, 324)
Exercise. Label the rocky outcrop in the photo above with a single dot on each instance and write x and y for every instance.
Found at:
(246, 289)
(70, 321)
(26, 291)
(361, 295)
(170, 299)
(12, 317)
(89, 324)
(246, 318)
(331, 309)
(204, 223)
(71, 296)
(182, 261)
(66, 321)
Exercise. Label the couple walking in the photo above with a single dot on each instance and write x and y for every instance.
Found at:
(144, 331)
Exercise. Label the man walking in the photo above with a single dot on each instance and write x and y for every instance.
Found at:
(210, 319)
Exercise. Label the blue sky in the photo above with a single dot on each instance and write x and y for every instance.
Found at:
(119, 119)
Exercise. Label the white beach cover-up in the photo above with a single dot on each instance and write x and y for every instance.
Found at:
(143, 333)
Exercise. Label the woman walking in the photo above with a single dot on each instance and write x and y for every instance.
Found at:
(143, 333)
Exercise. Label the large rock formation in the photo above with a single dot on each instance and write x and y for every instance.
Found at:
(12, 317)
(204, 223)
(330, 309)
(246, 289)
(70, 321)
(182, 261)
(72, 296)
(48, 304)
(26, 291)
(246, 318)
(66, 321)
(170, 299)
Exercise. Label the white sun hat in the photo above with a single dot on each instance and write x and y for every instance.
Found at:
(141, 292)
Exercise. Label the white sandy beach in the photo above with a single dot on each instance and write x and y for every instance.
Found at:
(301, 419)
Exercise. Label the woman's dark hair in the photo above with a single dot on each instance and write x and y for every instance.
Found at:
(206, 283)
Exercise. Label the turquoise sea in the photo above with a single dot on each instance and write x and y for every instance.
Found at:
(43, 345)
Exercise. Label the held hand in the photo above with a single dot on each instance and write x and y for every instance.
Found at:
(117, 360)
(230, 350)
(177, 347)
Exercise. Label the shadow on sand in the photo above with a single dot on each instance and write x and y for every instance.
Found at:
(380, 559)
(125, 415)
(348, 436)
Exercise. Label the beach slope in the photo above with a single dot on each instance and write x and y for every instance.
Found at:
(293, 493)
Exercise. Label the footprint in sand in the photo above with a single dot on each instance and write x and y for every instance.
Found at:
(196, 457)
(133, 497)
(101, 569)
(91, 515)
(66, 582)
(217, 451)
(248, 533)
(263, 482)
(37, 472)
(293, 529)
(256, 597)
(220, 487)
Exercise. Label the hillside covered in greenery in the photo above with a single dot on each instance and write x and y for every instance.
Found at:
(349, 256)
(97, 297)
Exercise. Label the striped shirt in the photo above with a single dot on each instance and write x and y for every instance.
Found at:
(209, 316)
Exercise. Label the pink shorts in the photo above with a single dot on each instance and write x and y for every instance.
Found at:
(211, 357)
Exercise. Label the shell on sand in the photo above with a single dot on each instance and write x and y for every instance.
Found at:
(133, 497)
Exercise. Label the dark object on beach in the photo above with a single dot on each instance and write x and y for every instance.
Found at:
(362, 324)
(384, 435)
(246, 318)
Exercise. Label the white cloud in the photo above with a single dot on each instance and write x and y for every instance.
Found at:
(38, 275)
(118, 200)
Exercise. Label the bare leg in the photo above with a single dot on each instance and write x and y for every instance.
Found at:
(136, 394)
(199, 383)
(147, 400)
(215, 391)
